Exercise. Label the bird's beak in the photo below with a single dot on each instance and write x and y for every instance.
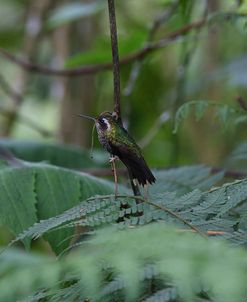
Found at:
(88, 117)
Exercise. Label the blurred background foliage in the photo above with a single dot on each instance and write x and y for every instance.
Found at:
(183, 99)
(208, 63)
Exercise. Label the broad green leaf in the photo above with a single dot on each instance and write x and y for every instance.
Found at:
(243, 7)
(102, 50)
(57, 190)
(17, 199)
(56, 154)
(164, 2)
(38, 191)
(186, 7)
(10, 38)
(91, 57)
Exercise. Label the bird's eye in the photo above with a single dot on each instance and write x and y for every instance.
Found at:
(104, 123)
(101, 121)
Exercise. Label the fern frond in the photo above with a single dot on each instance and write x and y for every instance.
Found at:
(208, 211)
(240, 153)
(184, 179)
(68, 294)
(223, 112)
(82, 210)
(169, 294)
(122, 261)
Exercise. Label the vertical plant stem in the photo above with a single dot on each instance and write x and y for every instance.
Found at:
(116, 76)
(115, 58)
(114, 170)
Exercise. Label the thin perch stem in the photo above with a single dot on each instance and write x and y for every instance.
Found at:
(115, 58)
(114, 170)
(116, 76)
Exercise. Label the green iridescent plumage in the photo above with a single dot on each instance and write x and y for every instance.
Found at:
(119, 137)
(117, 141)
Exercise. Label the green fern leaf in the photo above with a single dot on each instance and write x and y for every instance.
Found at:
(185, 179)
(120, 263)
(169, 294)
(240, 153)
(223, 112)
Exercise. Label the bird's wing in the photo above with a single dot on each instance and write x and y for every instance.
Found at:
(134, 162)
(123, 139)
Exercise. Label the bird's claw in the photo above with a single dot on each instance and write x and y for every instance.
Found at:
(112, 159)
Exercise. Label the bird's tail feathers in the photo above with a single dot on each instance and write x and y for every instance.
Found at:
(139, 170)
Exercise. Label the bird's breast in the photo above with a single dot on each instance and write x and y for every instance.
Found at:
(104, 141)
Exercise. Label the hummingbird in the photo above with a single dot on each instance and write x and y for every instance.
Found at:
(115, 139)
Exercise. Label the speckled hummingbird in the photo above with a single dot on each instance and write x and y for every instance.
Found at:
(116, 140)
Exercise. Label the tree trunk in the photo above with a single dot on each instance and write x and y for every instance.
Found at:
(78, 96)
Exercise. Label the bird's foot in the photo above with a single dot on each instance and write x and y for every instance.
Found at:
(113, 158)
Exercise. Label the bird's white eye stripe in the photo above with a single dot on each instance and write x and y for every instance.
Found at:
(106, 122)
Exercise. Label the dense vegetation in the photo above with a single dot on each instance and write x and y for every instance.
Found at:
(64, 235)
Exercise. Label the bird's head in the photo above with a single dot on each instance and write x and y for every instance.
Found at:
(104, 122)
